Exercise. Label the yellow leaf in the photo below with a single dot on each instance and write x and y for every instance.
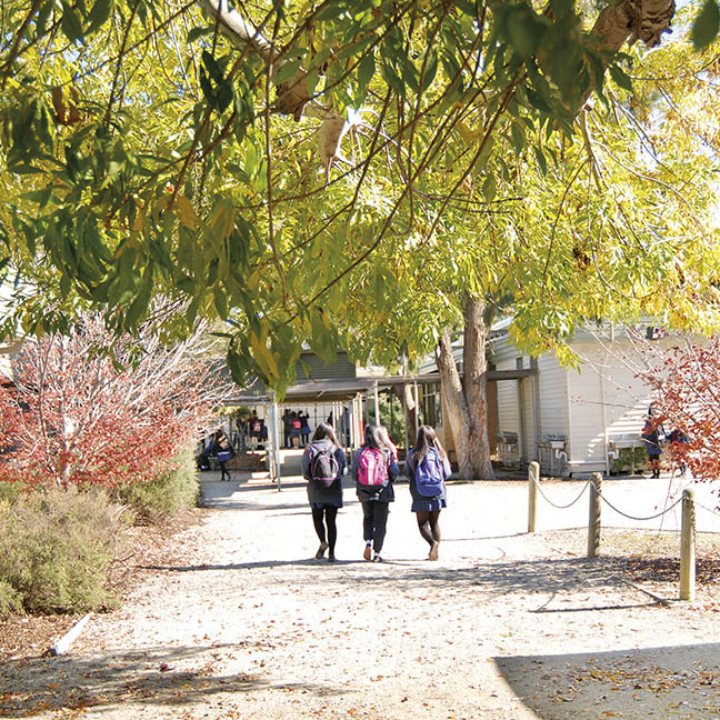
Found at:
(468, 135)
(139, 221)
(263, 356)
(185, 212)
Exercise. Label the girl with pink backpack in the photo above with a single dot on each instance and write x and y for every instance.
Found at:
(374, 469)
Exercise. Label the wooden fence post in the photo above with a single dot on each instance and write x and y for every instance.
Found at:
(533, 480)
(687, 546)
(594, 518)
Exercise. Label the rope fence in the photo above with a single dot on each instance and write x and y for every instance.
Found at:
(641, 519)
(594, 484)
(712, 511)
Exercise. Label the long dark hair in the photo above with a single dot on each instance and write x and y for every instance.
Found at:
(426, 439)
(323, 431)
(374, 438)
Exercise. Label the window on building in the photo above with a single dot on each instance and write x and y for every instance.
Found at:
(431, 405)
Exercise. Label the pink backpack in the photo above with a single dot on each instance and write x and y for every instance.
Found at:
(372, 469)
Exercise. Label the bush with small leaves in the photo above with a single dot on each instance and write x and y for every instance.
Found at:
(170, 492)
(56, 549)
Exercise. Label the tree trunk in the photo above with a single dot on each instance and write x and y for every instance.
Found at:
(455, 404)
(475, 368)
(466, 406)
(411, 412)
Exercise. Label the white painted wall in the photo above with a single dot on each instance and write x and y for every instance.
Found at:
(627, 398)
(587, 446)
(529, 422)
(553, 396)
(603, 401)
(507, 398)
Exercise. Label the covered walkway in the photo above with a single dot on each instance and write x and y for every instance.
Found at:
(344, 402)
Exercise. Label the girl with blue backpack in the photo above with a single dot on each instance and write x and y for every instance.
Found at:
(374, 469)
(323, 464)
(427, 467)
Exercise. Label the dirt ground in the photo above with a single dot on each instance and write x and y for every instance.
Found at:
(245, 623)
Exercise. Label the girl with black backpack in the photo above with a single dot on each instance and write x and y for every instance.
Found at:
(374, 469)
(323, 464)
(427, 467)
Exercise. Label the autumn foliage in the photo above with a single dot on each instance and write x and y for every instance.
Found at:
(79, 413)
(686, 383)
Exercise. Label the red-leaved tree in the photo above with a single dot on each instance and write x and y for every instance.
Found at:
(87, 408)
(686, 384)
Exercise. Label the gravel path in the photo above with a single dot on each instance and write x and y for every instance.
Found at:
(250, 626)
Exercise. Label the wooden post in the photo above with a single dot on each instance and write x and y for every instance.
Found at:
(533, 480)
(273, 451)
(687, 546)
(63, 645)
(594, 518)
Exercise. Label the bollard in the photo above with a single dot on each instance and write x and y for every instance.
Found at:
(687, 546)
(594, 518)
(533, 480)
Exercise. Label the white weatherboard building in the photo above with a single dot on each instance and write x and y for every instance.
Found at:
(8, 348)
(573, 422)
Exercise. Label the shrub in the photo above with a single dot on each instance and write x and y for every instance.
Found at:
(174, 490)
(10, 491)
(10, 600)
(56, 549)
(632, 458)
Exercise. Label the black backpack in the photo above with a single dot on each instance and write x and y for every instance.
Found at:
(324, 467)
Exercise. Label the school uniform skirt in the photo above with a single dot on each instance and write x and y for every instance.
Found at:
(428, 504)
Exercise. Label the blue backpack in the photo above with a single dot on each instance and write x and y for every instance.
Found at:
(430, 474)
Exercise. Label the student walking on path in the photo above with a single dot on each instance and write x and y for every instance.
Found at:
(323, 464)
(427, 467)
(223, 452)
(653, 446)
(374, 469)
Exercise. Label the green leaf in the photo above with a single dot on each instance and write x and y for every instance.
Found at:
(99, 14)
(525, 32)
(331, 11)
(430, 68)
(220, 302)
(621, 78)
(198, 32)
(365, 72)
(287, 71)
(41, 197)
(71, 24)
(518, 137)
(706, 25)
(43, 15)
(538, 102)
(489, 188)
(139, 305)
(224, 96)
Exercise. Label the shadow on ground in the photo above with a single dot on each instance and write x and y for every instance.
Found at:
(668, 682)
(153, 677)
(552, 586)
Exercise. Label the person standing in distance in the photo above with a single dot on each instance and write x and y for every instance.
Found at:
(427, 467)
